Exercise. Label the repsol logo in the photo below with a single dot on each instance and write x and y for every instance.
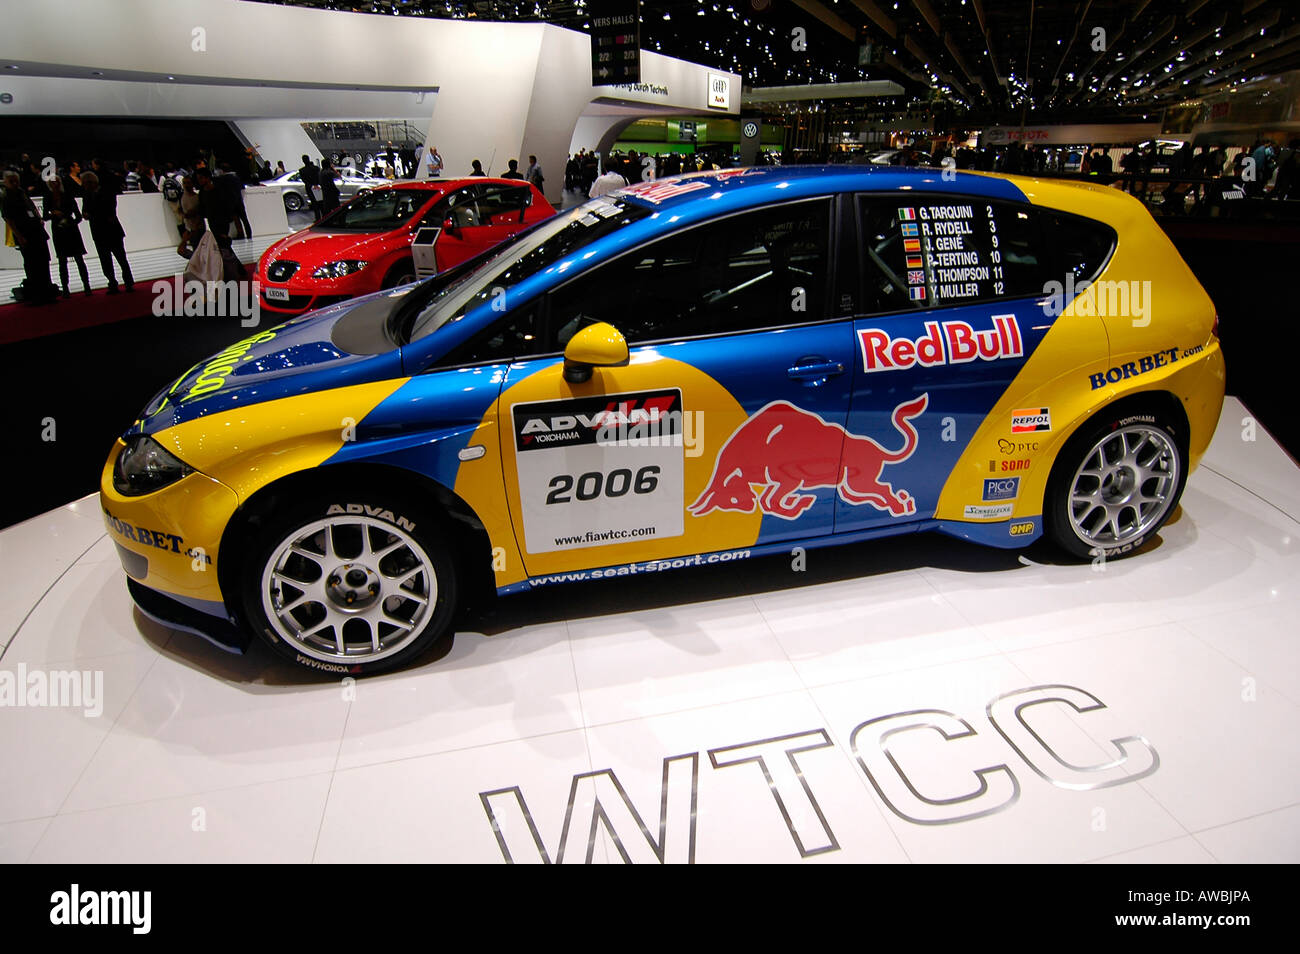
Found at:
(365, 510)
(1132, 369)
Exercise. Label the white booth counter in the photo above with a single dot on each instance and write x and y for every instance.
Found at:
(149, 222)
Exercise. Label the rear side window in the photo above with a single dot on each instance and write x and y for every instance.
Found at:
(922, 251)
(1080, 247)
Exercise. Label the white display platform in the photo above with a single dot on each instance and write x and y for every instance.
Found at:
(576, 696)
(150, 226)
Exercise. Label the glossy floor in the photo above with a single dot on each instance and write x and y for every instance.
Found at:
(907, 700)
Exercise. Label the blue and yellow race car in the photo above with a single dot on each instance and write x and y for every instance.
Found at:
(695, 370)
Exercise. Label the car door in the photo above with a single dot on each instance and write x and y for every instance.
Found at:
(722, 432)
(503, 211)
(950, 311)
(467, 229)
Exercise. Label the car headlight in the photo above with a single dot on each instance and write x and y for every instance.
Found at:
(338, 269)
(145, 466)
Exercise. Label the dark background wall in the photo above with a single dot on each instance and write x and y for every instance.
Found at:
(152, 141)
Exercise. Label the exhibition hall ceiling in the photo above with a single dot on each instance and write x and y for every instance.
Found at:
(1037, 59)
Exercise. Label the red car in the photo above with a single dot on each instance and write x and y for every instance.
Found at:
(365, 245)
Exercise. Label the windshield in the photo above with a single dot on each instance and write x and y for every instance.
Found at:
(380, 211)
(531, 253)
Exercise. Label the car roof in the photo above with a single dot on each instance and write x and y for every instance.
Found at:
(741, 188)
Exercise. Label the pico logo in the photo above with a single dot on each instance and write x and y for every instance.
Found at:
(949, 342)
(1002, 488)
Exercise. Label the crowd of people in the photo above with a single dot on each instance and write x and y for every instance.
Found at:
(46, 206)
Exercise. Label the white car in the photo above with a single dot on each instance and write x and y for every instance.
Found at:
(294, 190)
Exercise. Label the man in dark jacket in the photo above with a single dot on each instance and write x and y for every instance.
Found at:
(231, 188)
(23, 218)
(310, 176)
(99, 208)
(329, 188)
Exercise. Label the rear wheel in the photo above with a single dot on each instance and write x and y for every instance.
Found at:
(354, 583)
(1114, 485)
(292, 201)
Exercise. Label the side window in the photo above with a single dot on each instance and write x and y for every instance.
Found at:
(758, 269)
(924, 251)
(513, 336)
(1081, 246)
(505, 206)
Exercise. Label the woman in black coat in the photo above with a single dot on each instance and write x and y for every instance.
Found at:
(100, 209)
(63, 215)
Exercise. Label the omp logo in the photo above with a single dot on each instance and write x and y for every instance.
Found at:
(379, 513)
(1030, 419)
(949, 342)
(1020, 529)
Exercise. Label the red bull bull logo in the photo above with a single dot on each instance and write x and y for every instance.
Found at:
(783, 451)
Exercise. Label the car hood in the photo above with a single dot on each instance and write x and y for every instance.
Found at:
(335, 347)
(313, 247)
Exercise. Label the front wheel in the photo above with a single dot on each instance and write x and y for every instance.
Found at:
(358, 585)
(1114, 485)
(292, 201)
(403, 273)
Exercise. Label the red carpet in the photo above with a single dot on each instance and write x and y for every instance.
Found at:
(22, 322)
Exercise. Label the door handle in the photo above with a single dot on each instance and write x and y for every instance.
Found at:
(815, 370)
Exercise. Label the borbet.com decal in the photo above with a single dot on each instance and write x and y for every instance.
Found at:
(600, 470)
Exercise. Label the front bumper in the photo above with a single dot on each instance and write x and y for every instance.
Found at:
(219, 630)
(168, 540)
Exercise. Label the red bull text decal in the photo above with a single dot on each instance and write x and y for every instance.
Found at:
(784, 450)
(949, 342)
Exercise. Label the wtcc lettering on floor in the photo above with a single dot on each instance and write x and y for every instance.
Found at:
(883, 749)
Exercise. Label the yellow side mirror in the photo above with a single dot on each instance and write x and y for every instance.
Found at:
(599, 345)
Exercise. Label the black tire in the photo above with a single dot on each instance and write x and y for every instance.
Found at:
(292, 201)
(1115, 483)
(346, 586)
(403, 273)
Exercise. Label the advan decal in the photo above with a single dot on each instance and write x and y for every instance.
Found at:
(600, 470)
(784, 451)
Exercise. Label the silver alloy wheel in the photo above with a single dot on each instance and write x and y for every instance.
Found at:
(292, 201)
(1124, 486)
(348, 589)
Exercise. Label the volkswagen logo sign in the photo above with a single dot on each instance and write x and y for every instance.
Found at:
(750, 130)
